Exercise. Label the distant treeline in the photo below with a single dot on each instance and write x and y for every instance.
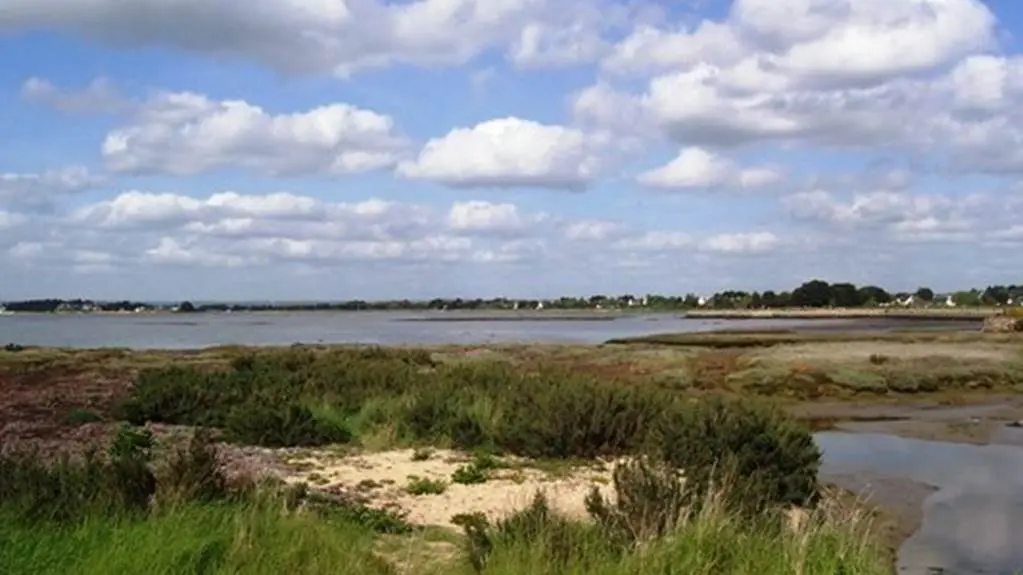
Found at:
(814, 293)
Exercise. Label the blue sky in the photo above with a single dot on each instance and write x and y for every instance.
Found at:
(324, 149)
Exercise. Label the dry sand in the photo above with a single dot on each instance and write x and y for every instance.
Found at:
(383, 477)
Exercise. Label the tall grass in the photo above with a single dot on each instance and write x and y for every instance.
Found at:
(709, 539)
(189, 539)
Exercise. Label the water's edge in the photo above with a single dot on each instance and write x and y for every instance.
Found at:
(971, 524)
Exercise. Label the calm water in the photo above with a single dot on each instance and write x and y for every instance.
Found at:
(973, 524)
(203, 330)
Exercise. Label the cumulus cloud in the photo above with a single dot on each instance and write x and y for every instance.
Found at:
(40, 191)
(508, 152)
(905, 216)
(310, 36)
(913, 75)
(696, 167)
(186, 133)
(100, 96)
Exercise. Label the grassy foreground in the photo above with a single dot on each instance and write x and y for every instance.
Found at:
(109, 515)
(140, 507)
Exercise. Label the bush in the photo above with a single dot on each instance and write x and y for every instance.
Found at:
(287, 426)
(570, 417)
(70, 489)
(650, 500)
(425, 486)
(768, 457)
(554, 538)
(192, 473)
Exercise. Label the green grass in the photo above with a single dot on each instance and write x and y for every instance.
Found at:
(224, 538)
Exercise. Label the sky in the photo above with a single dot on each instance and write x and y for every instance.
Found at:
(376, 149)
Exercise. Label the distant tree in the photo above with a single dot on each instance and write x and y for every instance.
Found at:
(996, 295)
(874, 294)
(186, 307)
(845, 295)
(967, 298)
(814, 293)
(924, 294)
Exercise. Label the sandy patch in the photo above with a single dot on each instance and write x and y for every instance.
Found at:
(383, 478)
(862, 350)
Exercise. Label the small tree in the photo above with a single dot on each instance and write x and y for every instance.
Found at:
(186, 307)
(925, 294)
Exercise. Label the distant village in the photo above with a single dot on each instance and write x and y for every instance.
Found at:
(811, 294)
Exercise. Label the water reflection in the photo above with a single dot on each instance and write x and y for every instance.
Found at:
(972, 525)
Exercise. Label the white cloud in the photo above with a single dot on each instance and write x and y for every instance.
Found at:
(904, 216)
(696, 167)
(742, 243)
(508, 152)
(477, 216)
(909, 74)
(593, 230)
(33, 192)
(316, 36)
(99, 97)
(187, 133)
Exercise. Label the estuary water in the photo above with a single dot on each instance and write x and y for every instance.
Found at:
(972, 523)
(142, 331)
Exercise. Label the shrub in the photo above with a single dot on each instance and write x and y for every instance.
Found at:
(536, 528)
(650, 500)
(425, 486)
(770, 457)
(192, 473)
(70, 489)
(564, 416)
(469, 475)
(288, 426)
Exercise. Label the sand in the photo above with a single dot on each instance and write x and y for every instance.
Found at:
(382, 477)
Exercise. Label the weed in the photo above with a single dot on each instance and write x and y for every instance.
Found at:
(425, 486)
(83, 416)
(422, 454)
(469, 475)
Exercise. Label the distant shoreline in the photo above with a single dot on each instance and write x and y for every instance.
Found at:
(944, 314)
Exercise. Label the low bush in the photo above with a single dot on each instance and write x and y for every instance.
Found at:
(650, 500)
(69, 489)
(425, 486)
(192, 474)
(771, 458)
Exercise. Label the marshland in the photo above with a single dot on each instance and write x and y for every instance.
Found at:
(694, 453)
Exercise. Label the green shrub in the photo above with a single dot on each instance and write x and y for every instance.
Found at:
(70, 489)
(555, 539)
(425, 486)
(83, 416)
(770, 457)
(469, 475)
(422, 454)
(288, 426)
(564, 416)
(192, 473)
(650, 500)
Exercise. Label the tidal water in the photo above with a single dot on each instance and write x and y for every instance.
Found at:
(382, 328)
(972, 523)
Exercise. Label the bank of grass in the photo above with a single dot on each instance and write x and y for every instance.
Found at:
(121, 512)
